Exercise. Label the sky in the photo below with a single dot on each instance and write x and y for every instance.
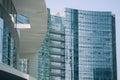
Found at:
(94, 5)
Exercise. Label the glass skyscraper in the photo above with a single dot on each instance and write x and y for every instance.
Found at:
(90, 45)
(52, 51)
(57, 50)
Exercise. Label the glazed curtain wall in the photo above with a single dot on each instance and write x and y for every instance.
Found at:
(10, 36)
(95, 39)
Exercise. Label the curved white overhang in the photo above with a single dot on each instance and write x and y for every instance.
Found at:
(30, 39)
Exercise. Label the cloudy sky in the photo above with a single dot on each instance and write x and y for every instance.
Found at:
(95, 5)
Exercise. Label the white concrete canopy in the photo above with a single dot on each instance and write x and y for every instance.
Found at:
(31, 39)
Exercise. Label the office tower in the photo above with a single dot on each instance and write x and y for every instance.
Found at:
(57, 56)
(90, 45)
(22, 43)
(51, 55)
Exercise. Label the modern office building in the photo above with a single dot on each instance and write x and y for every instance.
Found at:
(85, 49)
(52, 52)
(90, 45)
(57, 48)
(21, 44)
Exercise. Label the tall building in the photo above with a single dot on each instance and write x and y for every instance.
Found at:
(22, 30)
(90, 45)
(57, 48)
(52, 52)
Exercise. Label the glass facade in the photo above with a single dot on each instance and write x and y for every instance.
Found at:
(51, 54)
(22, 19)
(10, 36)
(24, 65)
(44, 57)
(90, 45)
(56, 34)
(44, 60)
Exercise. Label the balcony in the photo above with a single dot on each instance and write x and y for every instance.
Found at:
(57, 32)
(57, 67)
(54, 59)
(57, 53)
(57, 74)
(56, 45)
(57, 38)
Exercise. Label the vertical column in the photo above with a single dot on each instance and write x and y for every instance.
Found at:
(75, 42)
(1, 38)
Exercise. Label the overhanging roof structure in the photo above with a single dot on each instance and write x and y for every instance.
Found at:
(31, 39)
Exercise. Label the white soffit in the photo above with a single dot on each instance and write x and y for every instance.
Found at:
(31, 39)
